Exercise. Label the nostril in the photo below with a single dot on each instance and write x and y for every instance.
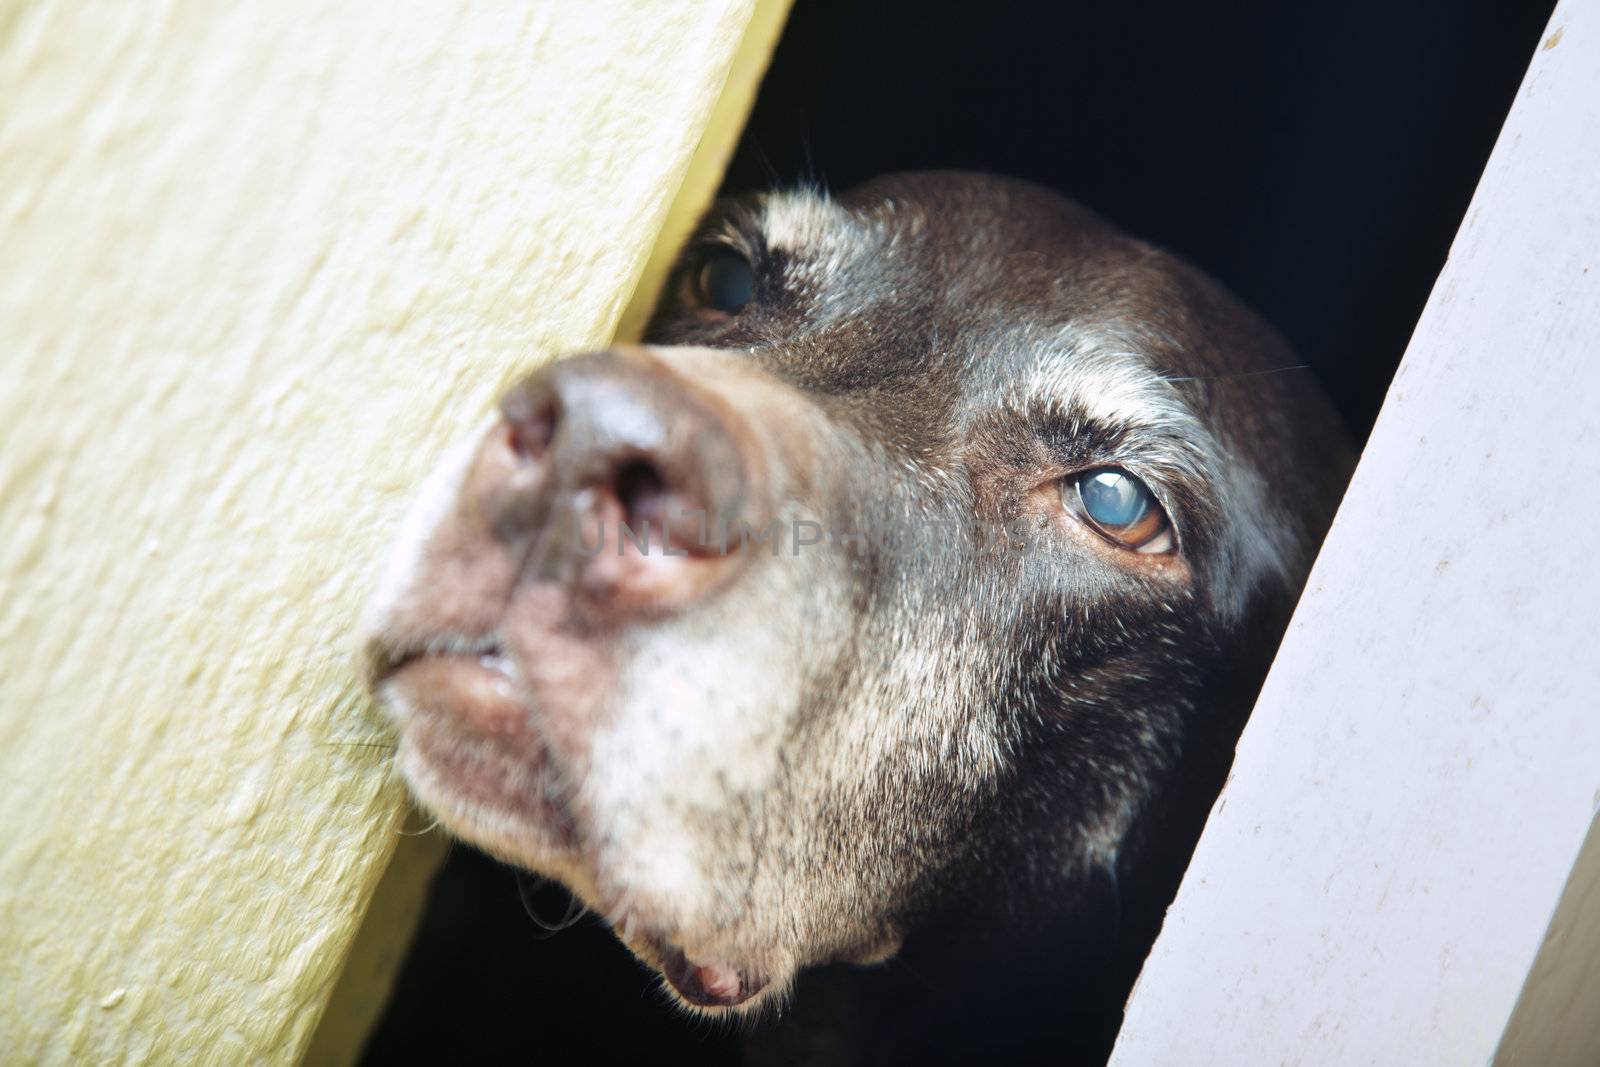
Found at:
(642, 492)
(660, 515)
(531, 426)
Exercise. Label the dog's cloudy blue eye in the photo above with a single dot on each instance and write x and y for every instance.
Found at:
(726, 281)
(1122, 508)
(1114, 499)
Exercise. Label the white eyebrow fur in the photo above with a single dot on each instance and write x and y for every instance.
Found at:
(808, 220)
(1097, 371)
(824, 240)
(1092, 372)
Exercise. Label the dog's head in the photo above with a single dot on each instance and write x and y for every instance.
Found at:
(965, 495)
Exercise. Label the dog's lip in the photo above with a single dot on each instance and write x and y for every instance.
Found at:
(474, 686)
(710, 985)
(384, 659)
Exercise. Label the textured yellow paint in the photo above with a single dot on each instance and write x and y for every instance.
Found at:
(374, 957)
(258, 262)
(710, 160)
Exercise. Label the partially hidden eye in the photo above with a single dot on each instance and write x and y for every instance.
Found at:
(1121, 508)
(725, 280)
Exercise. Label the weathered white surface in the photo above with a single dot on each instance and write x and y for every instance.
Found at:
(258, 261)
(1424, 762)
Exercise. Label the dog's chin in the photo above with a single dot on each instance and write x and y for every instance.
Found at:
(470, 757)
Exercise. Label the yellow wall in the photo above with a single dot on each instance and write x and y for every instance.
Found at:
(258, 262)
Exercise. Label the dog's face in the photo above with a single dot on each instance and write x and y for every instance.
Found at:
(966, 495)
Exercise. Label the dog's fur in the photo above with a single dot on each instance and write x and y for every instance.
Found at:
(982, 755)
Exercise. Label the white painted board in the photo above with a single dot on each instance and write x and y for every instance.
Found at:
(1424, 762)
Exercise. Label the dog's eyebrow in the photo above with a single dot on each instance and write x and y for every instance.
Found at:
(805, 218)
(817, 241)
(826, 236)
(1092, 374)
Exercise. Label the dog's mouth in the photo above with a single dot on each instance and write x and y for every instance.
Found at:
(471, 751)
(710, 985)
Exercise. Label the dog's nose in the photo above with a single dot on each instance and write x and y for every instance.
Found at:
(620, 477)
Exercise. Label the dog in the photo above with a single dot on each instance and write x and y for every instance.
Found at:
(868, 645)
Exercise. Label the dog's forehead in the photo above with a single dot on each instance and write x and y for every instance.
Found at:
(1020, 310)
